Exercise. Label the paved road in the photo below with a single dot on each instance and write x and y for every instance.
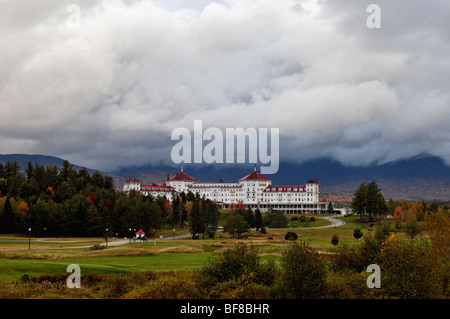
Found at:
(334, 222)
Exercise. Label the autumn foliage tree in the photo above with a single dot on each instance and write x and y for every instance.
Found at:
(398, 216)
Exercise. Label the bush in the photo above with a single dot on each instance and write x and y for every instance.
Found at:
(411, 270)
(97, 247)
(346, 259)
(312, 219)
(303, 273)
(177, 285)
(335, 240)
(412, 229)
(276, 219)
(290, 235)
(382, 232)
(347, 285)
(357, 234)
(233, 263)
(242, 288)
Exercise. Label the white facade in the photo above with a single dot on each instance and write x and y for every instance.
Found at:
(254, 191)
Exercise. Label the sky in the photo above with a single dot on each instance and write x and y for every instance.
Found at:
(104, 83)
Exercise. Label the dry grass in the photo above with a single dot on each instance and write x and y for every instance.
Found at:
(112, 252)
(178, 249)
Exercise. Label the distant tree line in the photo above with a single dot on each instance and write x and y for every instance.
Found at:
(64, 201)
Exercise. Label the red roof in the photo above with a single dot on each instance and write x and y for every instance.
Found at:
(312, 181)
(140, 232)
(285, 189)
(324, 201)
(254, 176)
(157, 188)
(182, 176)
(131, 180)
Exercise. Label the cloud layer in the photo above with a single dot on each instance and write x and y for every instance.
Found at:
(109, 91)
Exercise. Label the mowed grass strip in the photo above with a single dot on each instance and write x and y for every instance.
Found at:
(12, 269)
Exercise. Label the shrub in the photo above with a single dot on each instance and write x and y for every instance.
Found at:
(347, 285)
(177, 285)
(242, 288)
(346, 259)
(290, 235)
(97, 247)
(303, 272)
(335, 240)
(233, 263)
(412, 229)
(411, 270)
(382, 232)
(357, 234)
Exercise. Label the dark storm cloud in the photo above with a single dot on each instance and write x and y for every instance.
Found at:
(109, 93)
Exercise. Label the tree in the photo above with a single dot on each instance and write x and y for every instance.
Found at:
(357, 234)
(8, 218)
(67, 171)
(290, 235)
(236, 224)
(212, 218)
(303, 272)
(276, 219)
(398, 217)
(94, 223)
(335, 240)
(249, 217)
(232, 264)
(196, 218)
(258, 221)
(438, 227)
(359, 200)
(330, 209)
(3, 186)
(368, 199)
(29, 171)
(382, 232)
(412, 228)
(411, 270)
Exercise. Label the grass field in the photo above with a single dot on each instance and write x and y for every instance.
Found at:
(159, 255)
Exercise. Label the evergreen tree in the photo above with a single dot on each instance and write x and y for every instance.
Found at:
(258, 221)
(368, 199)
(249, 217)
(29, 171)
(8, 218)
(212, 218)
(196, 219)
(94, 222)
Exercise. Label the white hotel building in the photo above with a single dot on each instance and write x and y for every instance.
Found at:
(254, 190)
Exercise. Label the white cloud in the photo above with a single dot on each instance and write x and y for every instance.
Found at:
(109, 93)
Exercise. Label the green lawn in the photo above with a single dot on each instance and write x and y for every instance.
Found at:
(179, 254)
(12, 269)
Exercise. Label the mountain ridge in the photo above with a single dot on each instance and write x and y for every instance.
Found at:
(420, 177)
